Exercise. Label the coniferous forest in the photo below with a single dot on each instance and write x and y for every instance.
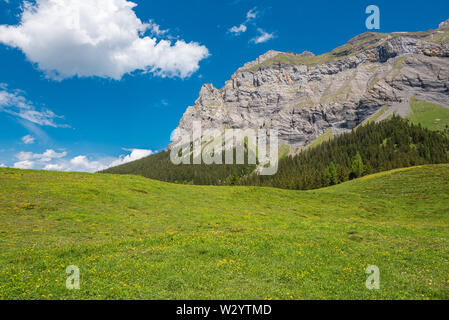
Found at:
(158, 166)
(371, 148)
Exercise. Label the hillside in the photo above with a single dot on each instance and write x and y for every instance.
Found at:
(158, 166)
(429, 115)
(389, 144)
(138, 238)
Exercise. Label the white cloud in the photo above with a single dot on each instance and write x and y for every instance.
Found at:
(156, 29)
(52, 160)
(81, 163)
(250, 15)
(28, 139)
(2, 165)
(22, 155)
(262, 37)
(54, 167)
(26, 164)
(47, 156)
(14, 103)
(103, 38)
(135, 154)
(237, 30)
(51, 154)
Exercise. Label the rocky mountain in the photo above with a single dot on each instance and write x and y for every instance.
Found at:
(305, 96)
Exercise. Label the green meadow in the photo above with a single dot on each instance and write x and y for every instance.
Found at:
(136, 238)
(429, 115)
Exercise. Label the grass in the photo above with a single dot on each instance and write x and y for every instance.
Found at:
(439, 38)
(429, 115)
(361, 43)
(364, 41)
(135, 238)
(326, 136)
(284, 150)
(374, 117)
(289, 58)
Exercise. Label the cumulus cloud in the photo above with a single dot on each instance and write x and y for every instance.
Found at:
(238, 30)
(28, 139)
(2, 165)
(47, 156)
(262, 37)
(103, 38)
(54, 167)
(26, 164)
(155, 29)
(81, 163)
(14, 103)
(28, 160)
(250, 15)
(52, 160)
(135, 154)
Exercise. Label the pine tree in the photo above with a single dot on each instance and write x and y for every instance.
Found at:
(331, 175)
(357, 166)
(386, 145)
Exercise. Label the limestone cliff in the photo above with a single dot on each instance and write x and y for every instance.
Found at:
(303, 95)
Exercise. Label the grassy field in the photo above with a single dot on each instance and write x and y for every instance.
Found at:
(135, 238)
(429, 115)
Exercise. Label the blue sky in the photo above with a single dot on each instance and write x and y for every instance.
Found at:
(64, 105)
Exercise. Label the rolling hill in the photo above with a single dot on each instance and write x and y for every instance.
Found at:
(136, 238)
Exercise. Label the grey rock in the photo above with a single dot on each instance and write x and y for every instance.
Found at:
(444, 24)
(302, 95)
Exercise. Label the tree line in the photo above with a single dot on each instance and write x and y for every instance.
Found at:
(371, 148)
(367, 149)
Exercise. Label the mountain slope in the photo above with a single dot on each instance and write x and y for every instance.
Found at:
(392, 143)
(429, 115)
(159, 166)
(137, 238)
(303, 95)
(389, 144)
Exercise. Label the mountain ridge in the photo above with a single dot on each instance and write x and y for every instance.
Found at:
(303, 95)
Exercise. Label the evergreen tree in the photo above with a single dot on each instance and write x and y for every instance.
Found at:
(330, 175)
(357, 166)
(386, 145)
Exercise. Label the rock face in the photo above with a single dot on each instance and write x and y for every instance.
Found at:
(303, 95)
(444, 25)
